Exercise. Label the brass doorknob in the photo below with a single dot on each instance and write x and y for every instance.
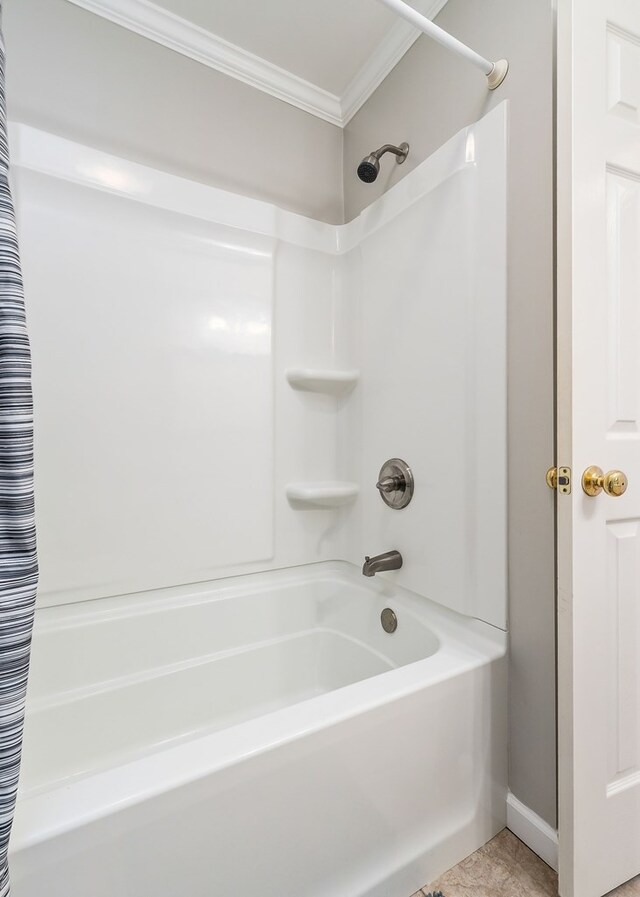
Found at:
(594, 481)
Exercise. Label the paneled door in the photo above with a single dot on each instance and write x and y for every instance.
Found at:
(599, 427)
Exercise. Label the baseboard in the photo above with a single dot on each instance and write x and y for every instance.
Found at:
(537, 834)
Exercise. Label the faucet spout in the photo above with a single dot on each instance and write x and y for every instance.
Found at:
(390, 560)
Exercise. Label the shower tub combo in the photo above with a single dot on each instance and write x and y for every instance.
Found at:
(260, 731)
(263, 736)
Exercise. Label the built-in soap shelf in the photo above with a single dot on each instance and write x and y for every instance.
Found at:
(325, 494)
(321, 380)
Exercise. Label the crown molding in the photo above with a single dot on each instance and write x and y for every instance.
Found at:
(163, 27)
(151, 21)
(384, 58)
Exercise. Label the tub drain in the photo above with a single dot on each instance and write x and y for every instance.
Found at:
(389, 620)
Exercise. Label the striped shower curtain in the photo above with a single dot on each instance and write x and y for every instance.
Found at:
(18, 561)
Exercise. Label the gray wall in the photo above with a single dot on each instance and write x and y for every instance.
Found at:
(427, 98)
(75, 74)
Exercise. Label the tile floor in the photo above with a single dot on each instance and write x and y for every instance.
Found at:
(505, 867)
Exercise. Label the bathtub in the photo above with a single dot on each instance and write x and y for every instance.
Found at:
(262, 734)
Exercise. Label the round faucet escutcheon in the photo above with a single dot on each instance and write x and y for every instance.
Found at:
(395, 484)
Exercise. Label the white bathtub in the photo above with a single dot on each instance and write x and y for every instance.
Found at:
(258, 735)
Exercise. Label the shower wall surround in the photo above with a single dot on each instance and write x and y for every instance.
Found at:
(432, 325)
(218, 381)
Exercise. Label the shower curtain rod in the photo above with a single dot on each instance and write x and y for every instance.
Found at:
(496, 72)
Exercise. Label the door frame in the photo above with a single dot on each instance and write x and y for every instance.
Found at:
(563, 365)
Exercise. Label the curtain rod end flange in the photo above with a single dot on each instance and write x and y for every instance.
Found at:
(497, 74)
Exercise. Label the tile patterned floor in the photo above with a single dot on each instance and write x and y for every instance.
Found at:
(505, 867)
(631, 889)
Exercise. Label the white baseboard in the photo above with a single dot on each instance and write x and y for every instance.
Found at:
(537, 834)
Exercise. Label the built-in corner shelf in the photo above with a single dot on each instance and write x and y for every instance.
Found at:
(327, 494)
(319, 380)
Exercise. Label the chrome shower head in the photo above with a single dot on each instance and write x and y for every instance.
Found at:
(369, 168)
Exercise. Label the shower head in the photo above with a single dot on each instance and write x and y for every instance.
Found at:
(369, 168)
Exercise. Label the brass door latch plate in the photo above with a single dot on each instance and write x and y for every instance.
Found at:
(559, 478)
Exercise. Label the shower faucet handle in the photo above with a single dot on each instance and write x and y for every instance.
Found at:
(391, 484)
(395, 483)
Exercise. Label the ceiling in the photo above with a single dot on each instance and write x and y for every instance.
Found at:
(324, 57)
(325, 43)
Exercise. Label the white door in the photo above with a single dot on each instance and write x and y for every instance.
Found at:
(599, 424)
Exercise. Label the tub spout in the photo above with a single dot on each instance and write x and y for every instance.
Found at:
(390, 560)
